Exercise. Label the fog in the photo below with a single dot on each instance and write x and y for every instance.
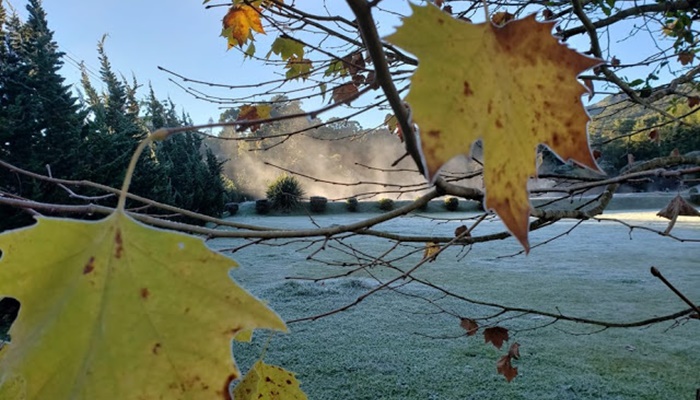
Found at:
(337, 161)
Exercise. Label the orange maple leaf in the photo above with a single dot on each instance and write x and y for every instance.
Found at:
(513, 86)
(238, 23)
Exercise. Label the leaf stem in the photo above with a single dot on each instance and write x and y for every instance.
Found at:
(130, 172)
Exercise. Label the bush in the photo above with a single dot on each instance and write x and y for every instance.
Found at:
(231, 207)
(386, 204)
(352, 204)
(262, 206)
(318, 204)
(451, 203)
(284, 193)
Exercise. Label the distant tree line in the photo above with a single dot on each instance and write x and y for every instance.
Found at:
(45, 129)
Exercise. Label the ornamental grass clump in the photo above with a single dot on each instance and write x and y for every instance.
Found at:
(285, 193)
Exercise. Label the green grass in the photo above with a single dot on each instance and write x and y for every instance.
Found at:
(379, 349)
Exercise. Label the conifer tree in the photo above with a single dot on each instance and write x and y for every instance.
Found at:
(41, 125)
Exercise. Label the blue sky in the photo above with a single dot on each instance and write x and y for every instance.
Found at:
(184, 36)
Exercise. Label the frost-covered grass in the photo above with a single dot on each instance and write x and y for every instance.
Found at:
(379, 349)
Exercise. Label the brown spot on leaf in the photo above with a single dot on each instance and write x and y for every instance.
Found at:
(119, 244)
(288, 382)
(441, 21)
(156, 348)
(145, 293)
(555, 139)
(434, 134)
(90, 266)
(467, 90)
(489, 107)
(499, 124)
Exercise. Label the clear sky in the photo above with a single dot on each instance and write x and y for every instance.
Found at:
(183, 36)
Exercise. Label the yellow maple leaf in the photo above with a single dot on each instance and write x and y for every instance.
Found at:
(114, 309)
(238, 23)
(268, 382)
(513, 86)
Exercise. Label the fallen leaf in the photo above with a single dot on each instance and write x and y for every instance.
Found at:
(345, 93)
(114, 309)
(238, 23)
(469, 325)
(268, 382)
(496, 335)
(518, 90)
(504, 367)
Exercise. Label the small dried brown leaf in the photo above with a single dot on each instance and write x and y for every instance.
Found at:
(693, 101)
(597, 154)
(469, 325)
(547, 14)
(462, 229)
(496, 335)
(504, 367)
(686, 58)
(589, 86)
(345, 93)
(615, 62)
(514, 350)
(654, 136)
(678, 206)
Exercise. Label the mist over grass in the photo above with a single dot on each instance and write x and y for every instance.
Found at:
(389, 346)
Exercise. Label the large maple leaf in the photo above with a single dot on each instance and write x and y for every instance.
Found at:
(514, 87)
(117, 310)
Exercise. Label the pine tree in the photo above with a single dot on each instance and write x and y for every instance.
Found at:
(115, 131)
(41, 124)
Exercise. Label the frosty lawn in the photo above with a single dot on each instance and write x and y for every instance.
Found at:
(397, 346)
